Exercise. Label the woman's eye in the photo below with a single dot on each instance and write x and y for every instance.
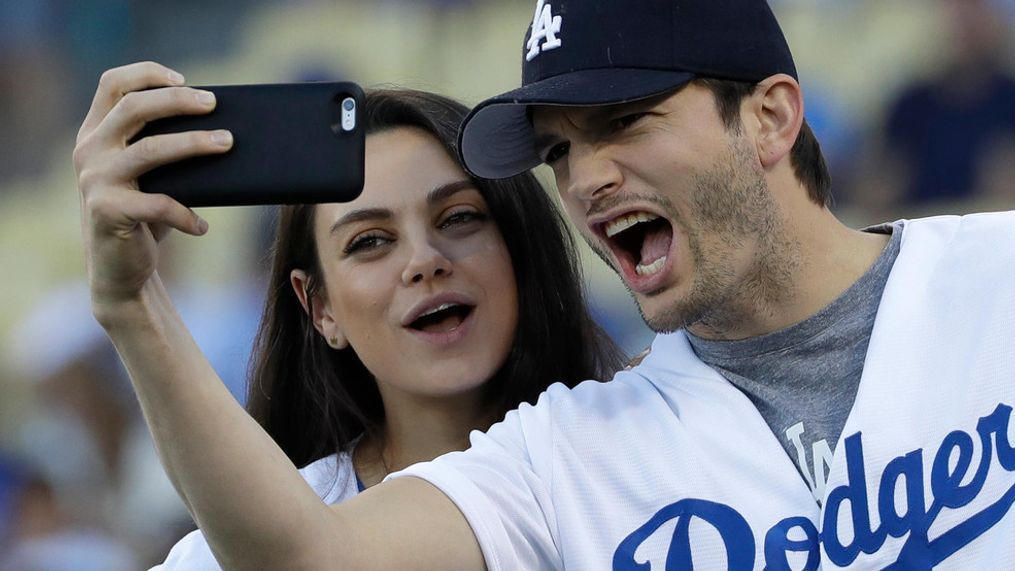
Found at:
(365, 242)
(461, 217)
(556, 153)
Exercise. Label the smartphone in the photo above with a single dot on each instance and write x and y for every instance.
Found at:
(293, 143)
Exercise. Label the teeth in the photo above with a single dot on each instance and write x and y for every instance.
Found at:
(650, 269)
(618, 225)
(441, 307)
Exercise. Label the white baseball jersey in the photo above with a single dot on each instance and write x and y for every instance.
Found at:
(332, 477)
(669, 466)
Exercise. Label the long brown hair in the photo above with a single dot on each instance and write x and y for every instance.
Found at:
(314, 400)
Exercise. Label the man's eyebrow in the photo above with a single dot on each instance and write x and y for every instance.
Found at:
(594, 117)
(435, 195)
(544, 140)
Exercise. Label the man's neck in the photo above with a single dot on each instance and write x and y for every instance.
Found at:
(830, 258)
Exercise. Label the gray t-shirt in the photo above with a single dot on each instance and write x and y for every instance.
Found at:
(803, 379)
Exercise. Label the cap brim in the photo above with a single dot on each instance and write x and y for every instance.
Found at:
(497, 140)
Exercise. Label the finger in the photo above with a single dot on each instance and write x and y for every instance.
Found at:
(117, 82)
(145, 154)
(137, 108)
(160, 231)
(118, 171)
(120, 212)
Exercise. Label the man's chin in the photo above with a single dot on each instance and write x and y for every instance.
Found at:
(663, 319)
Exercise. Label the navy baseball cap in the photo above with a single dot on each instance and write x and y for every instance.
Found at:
(599, 52)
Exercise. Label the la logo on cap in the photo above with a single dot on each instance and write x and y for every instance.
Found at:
(545, 27)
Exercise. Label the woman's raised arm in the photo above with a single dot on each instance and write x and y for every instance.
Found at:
(248, 498)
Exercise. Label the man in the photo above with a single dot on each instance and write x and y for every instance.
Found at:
(817, 396)
(881, 361)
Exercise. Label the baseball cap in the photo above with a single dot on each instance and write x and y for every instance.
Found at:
(599, 52)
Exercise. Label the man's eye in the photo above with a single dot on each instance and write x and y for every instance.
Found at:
(556, 153)
(628, 120)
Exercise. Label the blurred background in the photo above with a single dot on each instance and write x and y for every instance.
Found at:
(913, 101)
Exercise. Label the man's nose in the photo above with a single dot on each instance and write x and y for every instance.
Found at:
(592, 173)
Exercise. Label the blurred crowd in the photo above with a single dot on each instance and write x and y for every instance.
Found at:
(913, 100)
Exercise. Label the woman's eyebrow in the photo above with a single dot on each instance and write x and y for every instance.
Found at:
(447, 190)
(359, 216)
(435, 195)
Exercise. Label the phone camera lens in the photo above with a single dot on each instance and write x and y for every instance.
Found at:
(344, 116)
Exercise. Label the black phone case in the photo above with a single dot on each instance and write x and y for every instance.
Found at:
(288, 148)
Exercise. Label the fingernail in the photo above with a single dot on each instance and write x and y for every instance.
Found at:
(222, 138)
(202, 225)
(176, 78)
(205, 97)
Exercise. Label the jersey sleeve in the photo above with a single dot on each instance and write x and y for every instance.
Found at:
(191, 552)
(501, 484)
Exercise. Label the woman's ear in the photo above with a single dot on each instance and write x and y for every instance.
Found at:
(319, 310)
(779, 109)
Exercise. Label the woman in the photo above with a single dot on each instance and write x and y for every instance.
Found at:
(395, 324)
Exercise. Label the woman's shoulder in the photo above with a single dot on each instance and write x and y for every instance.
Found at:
(332, 477)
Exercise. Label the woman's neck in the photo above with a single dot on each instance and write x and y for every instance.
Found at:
(417, 430)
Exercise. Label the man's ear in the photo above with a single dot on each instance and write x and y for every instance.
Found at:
(778, 106)
(319, 310)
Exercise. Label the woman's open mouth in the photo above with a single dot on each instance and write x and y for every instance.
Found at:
(442, 319)
(641, 242)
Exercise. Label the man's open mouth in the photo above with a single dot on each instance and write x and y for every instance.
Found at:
(443, 318)
(640, 241)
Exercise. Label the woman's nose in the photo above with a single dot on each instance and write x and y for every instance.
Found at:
(427, 262)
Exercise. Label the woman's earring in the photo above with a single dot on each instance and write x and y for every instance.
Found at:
(333, 341)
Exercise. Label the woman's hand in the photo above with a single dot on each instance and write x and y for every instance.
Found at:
(122, 226)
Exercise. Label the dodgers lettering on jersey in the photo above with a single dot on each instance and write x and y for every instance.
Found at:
(949, 469)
